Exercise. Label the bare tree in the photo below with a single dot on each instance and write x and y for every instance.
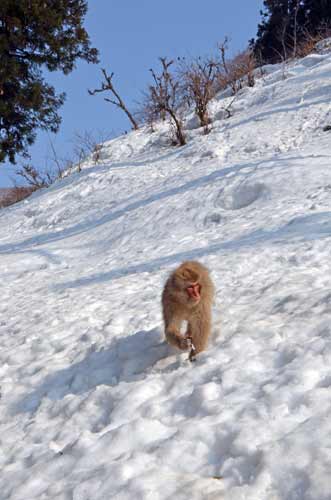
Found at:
(295, 27)
(165, 98)
(223, 47)
(147, 111)
(107, 85)
(35, 178)
(228, 111)
(87, 145)
(236, 72)
(199, 87)
(58, 163)
(283, 37)
(43, 178)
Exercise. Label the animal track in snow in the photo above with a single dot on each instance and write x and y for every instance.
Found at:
(212, 219)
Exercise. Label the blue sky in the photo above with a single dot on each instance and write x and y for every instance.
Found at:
(131, 36)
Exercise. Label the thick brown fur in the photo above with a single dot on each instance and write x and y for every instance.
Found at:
(179, 306)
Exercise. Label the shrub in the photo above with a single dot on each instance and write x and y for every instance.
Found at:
(236, 72)
(164, 98)
(199, 87)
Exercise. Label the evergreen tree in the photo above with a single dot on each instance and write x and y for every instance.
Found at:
(36, 34)
(317, 12)
(276, 36)
(268, 45)
(285, 23)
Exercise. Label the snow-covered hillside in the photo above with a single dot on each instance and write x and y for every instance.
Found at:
(94, 405)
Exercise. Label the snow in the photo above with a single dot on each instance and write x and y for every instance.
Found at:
(94, 404)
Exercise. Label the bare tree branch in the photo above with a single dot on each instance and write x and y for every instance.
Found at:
(107, 85)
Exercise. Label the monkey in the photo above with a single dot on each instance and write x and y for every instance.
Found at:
(187, 296)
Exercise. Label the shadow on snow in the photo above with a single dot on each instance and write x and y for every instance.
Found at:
(126, 360)
(300, 229)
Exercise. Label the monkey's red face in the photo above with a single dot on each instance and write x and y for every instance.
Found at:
(193, 291)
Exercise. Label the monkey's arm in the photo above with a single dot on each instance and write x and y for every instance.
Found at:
(174, 337)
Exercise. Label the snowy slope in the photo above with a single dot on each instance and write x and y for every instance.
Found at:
(94, 404)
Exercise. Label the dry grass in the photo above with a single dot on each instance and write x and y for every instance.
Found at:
(13, 195)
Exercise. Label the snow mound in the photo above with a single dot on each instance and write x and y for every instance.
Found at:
(241, 196)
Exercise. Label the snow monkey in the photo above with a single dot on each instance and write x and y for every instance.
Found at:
(188, 296)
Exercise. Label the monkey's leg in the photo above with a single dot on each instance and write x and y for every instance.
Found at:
(199, 328)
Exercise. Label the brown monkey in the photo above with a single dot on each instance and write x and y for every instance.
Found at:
(188, 295)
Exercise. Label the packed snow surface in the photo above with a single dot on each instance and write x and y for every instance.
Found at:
(94, 404)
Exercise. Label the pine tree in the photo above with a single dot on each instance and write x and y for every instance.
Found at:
(271, 43)
(36, 34)
(317, 12)
(285, 23)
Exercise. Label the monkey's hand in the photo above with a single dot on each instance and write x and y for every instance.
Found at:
(193, 351)
(176, 339)
(185, 343)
